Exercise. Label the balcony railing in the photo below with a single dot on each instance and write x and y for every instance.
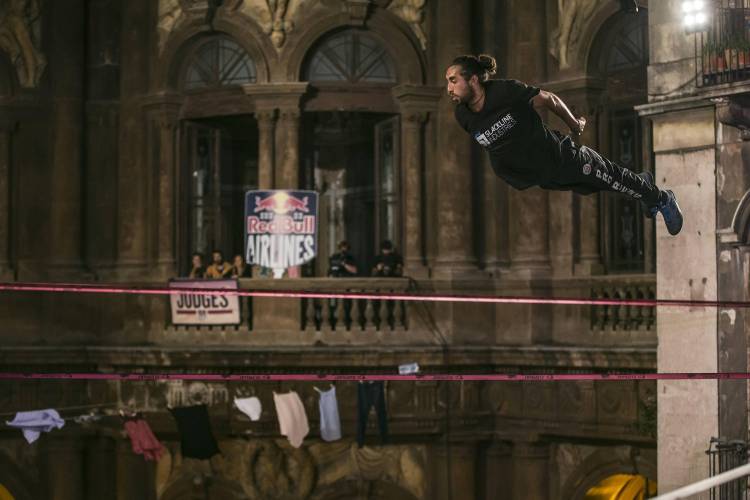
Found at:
(98, 320)
(615, 317)
(723, 456)
(722, 52)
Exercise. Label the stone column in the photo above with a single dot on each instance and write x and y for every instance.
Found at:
(411, 144)
(416, 103)
(281, 153)
(453, 471)
(134, 476)
(266, 124)
(6, 128)
(132, 196)
(455, 255)
(287, 136)
(64, 256)
(529, 232)
(529, 210)
(164, 118)
(582, 95)
(64, 468)
(498, 471)
(100, 468)
(530, 474)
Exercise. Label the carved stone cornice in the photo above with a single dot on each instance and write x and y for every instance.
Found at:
(417, 97)
(163, 109)
(270, 96)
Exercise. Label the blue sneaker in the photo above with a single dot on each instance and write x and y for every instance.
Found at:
(671, 212)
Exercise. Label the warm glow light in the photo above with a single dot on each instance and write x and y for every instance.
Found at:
(694, 15)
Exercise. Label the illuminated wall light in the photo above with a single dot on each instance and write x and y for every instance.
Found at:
(694, 16)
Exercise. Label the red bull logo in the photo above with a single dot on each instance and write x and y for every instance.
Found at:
(281, 203)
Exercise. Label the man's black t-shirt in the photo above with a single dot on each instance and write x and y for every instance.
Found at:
(336, 265)
(522, 150)
(390, 262)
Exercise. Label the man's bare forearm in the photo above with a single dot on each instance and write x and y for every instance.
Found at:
(557, 106)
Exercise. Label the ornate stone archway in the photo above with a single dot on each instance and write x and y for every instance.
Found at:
(607, 462)
(410, 64)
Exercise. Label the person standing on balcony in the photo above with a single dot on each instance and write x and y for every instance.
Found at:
(219, 268)
(388, 263)
(503, 117)
(342, 265)
(197, 270)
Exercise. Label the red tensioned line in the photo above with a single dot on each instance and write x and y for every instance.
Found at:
(113, 289)
(313, 377)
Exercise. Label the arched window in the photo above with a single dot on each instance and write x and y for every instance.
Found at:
(218, 62)
(621, 58)
(350, 56)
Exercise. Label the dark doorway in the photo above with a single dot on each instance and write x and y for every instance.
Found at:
(352, 160)
(220, 165)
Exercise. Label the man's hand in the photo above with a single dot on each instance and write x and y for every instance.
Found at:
(580, 125)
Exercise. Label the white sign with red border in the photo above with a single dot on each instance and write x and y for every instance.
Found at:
(198, 309)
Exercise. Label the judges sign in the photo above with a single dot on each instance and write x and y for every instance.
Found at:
(280, 228)
(210, 309)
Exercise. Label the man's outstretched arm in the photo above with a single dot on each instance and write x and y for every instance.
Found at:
(548, 100)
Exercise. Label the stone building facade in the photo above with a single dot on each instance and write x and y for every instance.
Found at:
(129, 131)
(699, 118)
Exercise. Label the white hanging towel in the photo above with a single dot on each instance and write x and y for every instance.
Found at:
(292, 417)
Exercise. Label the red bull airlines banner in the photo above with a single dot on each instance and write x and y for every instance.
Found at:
(280, 228)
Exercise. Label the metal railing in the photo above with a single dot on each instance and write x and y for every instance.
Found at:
(722, 52)
(724, 456)
(728, 467)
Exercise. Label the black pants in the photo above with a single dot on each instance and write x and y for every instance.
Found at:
(371, 394)
(585, 171)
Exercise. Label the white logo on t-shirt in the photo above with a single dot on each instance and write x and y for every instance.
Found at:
(497, 131)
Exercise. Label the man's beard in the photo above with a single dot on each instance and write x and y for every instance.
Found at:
(467, 98)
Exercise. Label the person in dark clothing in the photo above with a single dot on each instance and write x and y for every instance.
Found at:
(342, 263)
(502, 116)
(388, 263)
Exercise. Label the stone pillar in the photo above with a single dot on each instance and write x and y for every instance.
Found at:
(100, 468)
(135, 478)
(529, 232)
(64, 468)
(455, 252)
(266, 124)
(287, 137)
(529, 209)
(278, 145)
(165, 122)
(6, 128)
(583, 96)
(530, 474)
(498, 470)
(411, 154)
(416, 103)
(64, 258)
(453, 471)
(132, 195)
